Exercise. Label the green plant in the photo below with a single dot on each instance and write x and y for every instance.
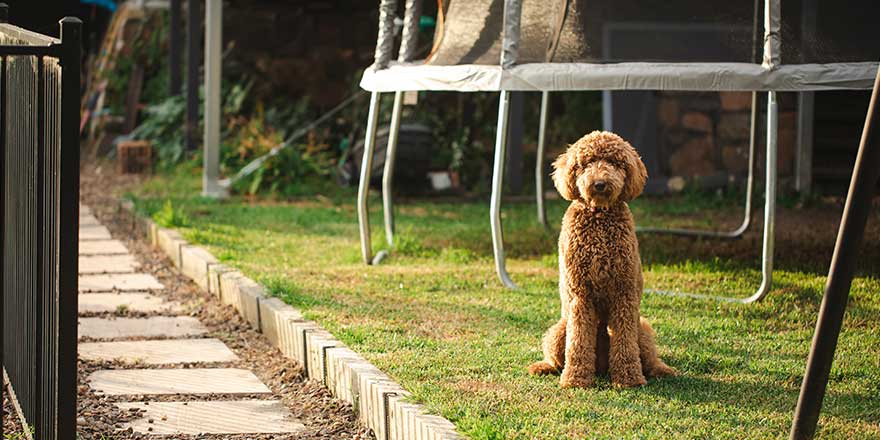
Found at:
(163, 125)
(170, 217)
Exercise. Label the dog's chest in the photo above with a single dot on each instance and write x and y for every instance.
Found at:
(599, 248)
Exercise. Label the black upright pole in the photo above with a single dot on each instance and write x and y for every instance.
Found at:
(4, 18)
(843, 264)
(68, 233)
(174, 48)
(193, 60)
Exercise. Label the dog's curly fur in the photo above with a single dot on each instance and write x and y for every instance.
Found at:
(600, 274)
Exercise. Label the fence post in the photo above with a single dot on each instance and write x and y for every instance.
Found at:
(68, 246)
(213, 75)
(4, 18)
(193, 26)
(174, 48)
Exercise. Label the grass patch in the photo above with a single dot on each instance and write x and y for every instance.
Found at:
(436, 319)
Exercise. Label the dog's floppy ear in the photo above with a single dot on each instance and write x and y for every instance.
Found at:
(564, 176)
(636, 174)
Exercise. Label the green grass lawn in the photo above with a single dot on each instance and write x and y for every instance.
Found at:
(435, 318)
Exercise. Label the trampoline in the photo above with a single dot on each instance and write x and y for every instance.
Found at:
(574, 45)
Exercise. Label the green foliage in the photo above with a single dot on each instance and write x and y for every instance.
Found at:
(147, 51)
(170, 217)
(20, 435)
(163, 125)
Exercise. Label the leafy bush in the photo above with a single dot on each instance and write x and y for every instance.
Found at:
(170, 217)
(163, 125)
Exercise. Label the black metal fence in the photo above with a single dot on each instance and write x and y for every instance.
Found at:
(39, 140)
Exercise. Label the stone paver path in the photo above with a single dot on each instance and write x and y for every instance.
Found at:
(169, 351)
(109, 282)
(135, 302)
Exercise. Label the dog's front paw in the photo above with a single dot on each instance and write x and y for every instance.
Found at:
(633, 380)
(660, 369)
(570, 379)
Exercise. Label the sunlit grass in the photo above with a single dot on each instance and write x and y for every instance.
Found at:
(435, 318)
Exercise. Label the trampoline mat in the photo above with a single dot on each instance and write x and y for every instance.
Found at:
(592, 31)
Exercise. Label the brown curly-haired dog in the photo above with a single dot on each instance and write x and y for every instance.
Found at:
(600, 274)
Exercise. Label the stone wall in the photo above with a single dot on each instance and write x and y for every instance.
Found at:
(706, 134)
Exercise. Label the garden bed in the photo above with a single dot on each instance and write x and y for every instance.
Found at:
(435, 318)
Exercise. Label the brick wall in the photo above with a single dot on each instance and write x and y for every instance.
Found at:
(706, 134)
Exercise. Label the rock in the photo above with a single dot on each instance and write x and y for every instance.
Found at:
(693, 158)
(736, 101)
(735, 157)
(676, 184)
(734, 127)
(668, 111)
(697, 122)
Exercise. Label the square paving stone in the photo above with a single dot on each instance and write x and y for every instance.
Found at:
(102, 247)
(156, 326)
(176, 381)
(136, 302)
(121, 281)
(88, 220)
(94, 232)
(228, 417)
(93, 264)
(169, 351)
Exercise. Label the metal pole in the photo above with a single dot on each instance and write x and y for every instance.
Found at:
(193, 26)
(862, 186)
(539, 160)
(68, 232)
(388, 175)
(174, 44)
(750, 185)
(511, 33)
(769, 216)
(408, 42)
(497, 188)
(366, 170)
(213, 75)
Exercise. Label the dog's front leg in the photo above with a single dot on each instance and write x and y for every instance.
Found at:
(623, 357)
(580, 344)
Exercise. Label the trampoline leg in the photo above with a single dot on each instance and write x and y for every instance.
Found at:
(539, 160)
(364, 184)
(388, 174)
(769, 216)
(750, 185)
(497, 186)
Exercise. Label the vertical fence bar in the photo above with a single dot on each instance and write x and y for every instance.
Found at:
(68, 249)
(42, 285)
(193, 26)
(174, 48)
(4, 17)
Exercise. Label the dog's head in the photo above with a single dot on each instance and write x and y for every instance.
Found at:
(600, 169)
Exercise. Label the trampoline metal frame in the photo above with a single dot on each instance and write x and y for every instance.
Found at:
(771, 58)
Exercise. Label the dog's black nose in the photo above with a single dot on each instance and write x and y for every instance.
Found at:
(599, 185)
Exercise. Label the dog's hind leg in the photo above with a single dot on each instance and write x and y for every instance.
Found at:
(652, 365)
(554, 351)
